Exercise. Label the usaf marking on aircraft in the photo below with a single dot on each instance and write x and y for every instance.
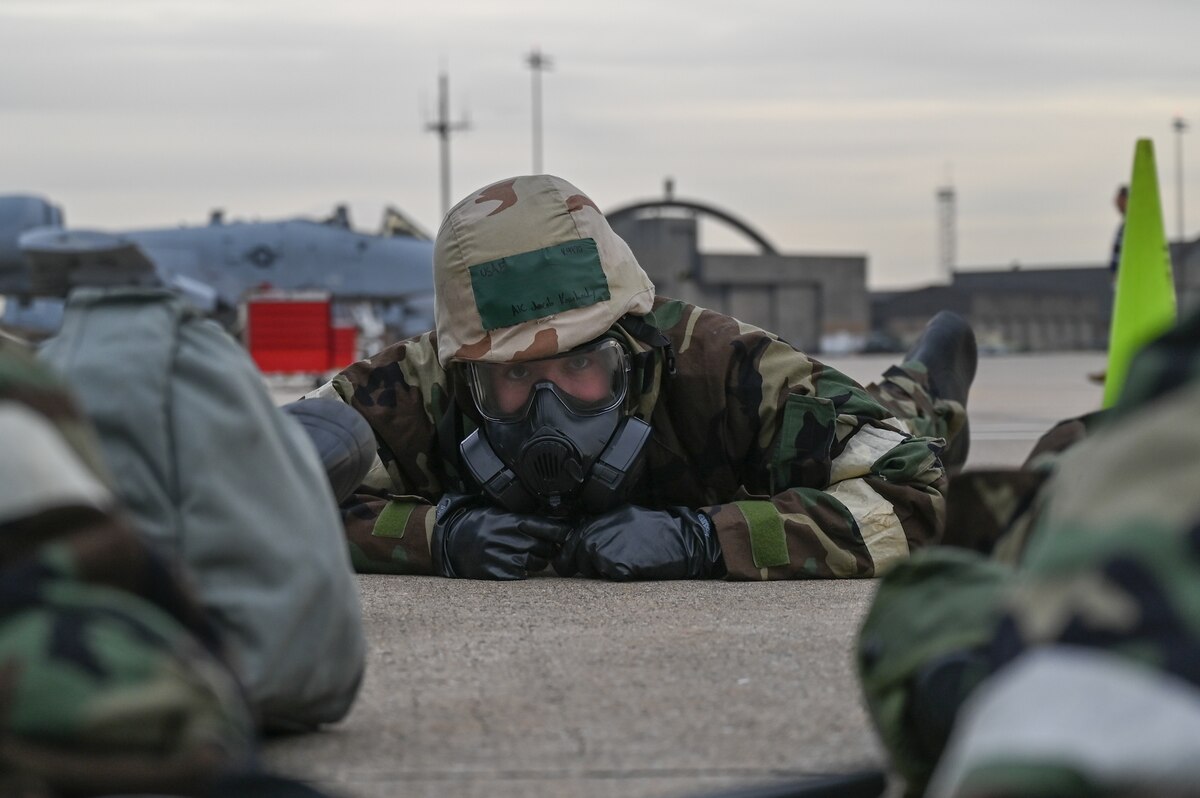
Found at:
(383, 282)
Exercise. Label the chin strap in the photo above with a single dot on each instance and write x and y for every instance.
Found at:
(651, 336)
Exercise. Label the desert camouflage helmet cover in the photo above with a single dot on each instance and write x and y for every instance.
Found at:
(528, 267)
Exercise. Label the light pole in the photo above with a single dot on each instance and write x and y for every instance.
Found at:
(1180, 125)
(538, 63)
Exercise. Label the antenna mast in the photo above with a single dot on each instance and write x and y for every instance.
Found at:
(538, 63)
(947, 237)
(444, 127)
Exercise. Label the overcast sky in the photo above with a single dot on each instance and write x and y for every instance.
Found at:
(825, 125)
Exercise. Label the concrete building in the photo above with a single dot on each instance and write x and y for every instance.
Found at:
(818, 303)
(1016, 309)
(1026, 309)
(1186, 259)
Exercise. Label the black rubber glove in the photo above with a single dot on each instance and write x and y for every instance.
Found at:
(476, 540)
(632, 542)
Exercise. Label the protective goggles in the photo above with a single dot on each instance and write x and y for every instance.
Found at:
(589, 379)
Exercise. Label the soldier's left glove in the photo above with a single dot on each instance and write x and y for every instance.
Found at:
(632, 542)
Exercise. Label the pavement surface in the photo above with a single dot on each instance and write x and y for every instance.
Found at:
(571, 687)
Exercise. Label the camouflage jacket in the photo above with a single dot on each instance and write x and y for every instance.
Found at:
(1093, 588)
(803, 473)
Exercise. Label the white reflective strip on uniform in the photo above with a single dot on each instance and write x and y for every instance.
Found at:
(1119, 724)
(377, 476)
(877, 521)
(862, 450)
(430, 523)
(38, 470)
(326, 391)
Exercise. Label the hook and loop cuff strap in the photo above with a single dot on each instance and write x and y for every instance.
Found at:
(393, 520)
(768, 543)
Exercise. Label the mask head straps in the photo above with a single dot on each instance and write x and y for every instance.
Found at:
(640, 329)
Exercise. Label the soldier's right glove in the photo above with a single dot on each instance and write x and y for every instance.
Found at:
(475, 540)
(633, 542)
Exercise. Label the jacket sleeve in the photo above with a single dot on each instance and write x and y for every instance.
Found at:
(832, 485)
(388, 535)
(388, 521)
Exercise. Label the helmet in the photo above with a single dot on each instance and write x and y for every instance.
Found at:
(526, 268)
(529, 279)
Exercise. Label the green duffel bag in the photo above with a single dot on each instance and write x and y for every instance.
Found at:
(219, 480)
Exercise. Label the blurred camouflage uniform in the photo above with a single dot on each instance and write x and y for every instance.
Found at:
(803, 472)
(111, 678)
(1076, 649)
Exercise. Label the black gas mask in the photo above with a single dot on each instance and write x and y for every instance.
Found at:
(555, 437)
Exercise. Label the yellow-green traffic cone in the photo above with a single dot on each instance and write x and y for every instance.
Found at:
(1144, 301)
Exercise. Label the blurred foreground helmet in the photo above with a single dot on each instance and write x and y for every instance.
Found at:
(527, 268)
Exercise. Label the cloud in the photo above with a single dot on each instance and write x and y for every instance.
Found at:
(828, 126)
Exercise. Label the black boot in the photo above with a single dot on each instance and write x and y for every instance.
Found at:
(947, 349)
(344, 441)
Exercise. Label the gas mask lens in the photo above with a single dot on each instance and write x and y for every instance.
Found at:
(589, 379)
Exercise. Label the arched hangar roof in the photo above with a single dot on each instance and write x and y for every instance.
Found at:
(627, 211)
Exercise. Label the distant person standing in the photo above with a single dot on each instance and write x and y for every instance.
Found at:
(1120, 200)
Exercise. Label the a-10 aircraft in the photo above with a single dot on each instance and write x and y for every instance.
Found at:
(383, 282)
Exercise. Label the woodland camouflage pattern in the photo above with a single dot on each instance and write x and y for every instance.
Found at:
(110, 678)
(803, 472)
(1113, 560)
(1101, 553)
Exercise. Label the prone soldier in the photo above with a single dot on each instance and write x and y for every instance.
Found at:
(561, 413)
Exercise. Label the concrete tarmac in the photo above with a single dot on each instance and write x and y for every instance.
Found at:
(572, 687)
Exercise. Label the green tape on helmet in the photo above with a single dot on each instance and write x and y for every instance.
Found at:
(537, 284)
